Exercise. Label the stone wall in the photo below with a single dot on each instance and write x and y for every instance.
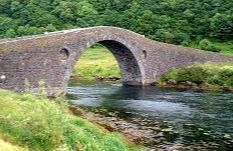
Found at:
(50, 58)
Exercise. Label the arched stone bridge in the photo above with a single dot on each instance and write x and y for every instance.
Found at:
(51, 57)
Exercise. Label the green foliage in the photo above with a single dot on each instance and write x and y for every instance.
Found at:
(221, 25)
(194, 74)
(225, 47)
(45, 125)
(10, 33)
(172, 21)
(207, 45)
(211, 73)
(216, 80)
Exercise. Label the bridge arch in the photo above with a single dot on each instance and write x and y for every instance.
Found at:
(51, 57)
(130, 68)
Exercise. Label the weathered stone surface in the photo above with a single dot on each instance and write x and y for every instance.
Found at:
(51, 57)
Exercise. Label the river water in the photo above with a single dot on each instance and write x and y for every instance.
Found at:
(186, 120)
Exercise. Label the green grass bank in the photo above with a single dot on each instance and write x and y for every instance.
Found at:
(209, 76)
(34, 123)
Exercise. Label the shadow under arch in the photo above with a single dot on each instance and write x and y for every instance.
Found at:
(129, 66)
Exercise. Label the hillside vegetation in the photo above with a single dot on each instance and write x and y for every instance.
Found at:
(37, 123)
(207, 22)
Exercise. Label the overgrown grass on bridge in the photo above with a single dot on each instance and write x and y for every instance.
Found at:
(40, 124)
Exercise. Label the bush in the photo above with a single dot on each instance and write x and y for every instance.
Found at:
(195, 74)
(10, 33)
(172, 75)
(215, 80)
(185, 43)
(226, 74)
(229, 82)
(207, 45)
(211, 73)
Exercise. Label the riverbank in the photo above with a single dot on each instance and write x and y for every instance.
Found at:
(35, 123)
(200, 77)
(155, 137)
(112, 123)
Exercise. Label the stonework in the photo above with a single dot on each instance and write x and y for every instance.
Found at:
(51, 57)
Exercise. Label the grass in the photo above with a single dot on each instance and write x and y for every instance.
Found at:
(97, 62)
(40, 124)
(6, 146)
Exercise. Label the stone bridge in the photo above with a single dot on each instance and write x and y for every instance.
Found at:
(51, 57)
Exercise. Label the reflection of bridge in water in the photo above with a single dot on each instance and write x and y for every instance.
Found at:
(52, 56)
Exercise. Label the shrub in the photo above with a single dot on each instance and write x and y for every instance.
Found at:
(229, 82)
(10, 33)
(215, 80)
(172, 75)
(207, 45)
(185, 43)
(226, 73)
(227, 76)
(212, 73)
(195, 74)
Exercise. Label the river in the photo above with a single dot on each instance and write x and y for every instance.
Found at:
(184, 120)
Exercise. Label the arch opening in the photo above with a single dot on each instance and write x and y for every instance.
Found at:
(144, 54)
(121, 62)
(64, 54)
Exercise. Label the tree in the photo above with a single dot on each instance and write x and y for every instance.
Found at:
(66, 11)
(222, 25)
(10, 33)
(87, 15)
(207, 45)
